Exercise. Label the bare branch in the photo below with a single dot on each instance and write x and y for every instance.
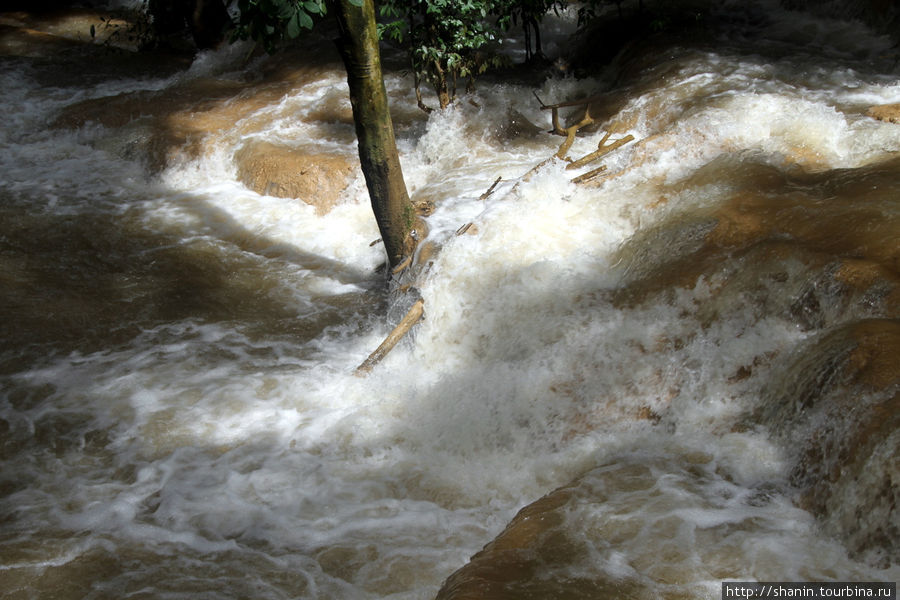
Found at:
(589, 175)
(412, 317)
(601, 151)
(490, 190)
(570, 135)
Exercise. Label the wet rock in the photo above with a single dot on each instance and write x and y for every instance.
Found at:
(518, 126)
(188, 119)
(71, 25)
(886, 112)
(317, 178)
(536, 542)
(181, 120)
(833, 224)
(643, 526)
(836, 406)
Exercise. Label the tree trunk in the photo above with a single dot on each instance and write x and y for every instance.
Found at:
(358, 45)
(531, 24)
(526, 27)
(441, 87)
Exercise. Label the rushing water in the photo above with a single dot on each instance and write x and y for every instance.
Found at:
(690, 344)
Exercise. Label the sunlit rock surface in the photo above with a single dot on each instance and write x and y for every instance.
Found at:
(812, 248)
(886, 112)
(836, 405)
(317, 179)
(643, 526)
(196, 117)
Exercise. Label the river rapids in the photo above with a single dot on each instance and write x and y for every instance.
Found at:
(696, 354)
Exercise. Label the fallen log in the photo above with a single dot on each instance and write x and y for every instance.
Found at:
(412, 317)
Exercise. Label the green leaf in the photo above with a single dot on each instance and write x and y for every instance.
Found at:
(293, 26)
(304, 19)
(283, 8)
(355, 2)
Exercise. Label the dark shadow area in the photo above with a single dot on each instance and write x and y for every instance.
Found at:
(57, 45)
(87, 283)
(631, 54)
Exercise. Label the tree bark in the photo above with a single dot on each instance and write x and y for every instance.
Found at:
(358, 45)
(530, 24)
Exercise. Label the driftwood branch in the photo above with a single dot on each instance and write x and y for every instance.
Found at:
(490, 190)
(412, 317)
(571, 131)
(554, 115)
(589, 175)
(402, 266)
(527, 176)
(602, 150)
(570, 135)
(554, 112)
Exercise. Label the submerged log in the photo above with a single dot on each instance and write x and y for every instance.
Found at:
(412, 317)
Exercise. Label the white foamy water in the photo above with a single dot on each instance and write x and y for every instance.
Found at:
(179, 412)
